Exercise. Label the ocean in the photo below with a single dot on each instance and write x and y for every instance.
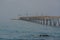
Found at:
(23, 30)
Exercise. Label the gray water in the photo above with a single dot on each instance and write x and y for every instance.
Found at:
(23, 30)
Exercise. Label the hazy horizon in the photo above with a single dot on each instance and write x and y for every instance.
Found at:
(14, 8)
(29, 28)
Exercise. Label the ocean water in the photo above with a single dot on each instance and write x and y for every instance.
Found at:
(23, 30)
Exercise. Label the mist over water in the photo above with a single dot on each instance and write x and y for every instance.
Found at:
(23, 30)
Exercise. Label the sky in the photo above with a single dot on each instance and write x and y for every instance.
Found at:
(13, 8)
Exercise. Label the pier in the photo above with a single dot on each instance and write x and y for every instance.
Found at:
(44, 20)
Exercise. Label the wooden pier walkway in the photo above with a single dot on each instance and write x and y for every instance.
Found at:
(45, 20)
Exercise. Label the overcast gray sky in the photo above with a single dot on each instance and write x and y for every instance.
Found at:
(13, 8)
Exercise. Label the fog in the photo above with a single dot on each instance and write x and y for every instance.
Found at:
(13, 8)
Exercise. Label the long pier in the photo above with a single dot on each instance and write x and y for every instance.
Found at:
(44, 20)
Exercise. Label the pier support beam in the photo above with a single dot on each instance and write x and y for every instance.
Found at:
(46, 21)
(50, 22)
(54, 24)
(43, 21)
(58, 23)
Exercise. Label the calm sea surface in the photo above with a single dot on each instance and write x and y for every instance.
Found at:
(23, 30)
